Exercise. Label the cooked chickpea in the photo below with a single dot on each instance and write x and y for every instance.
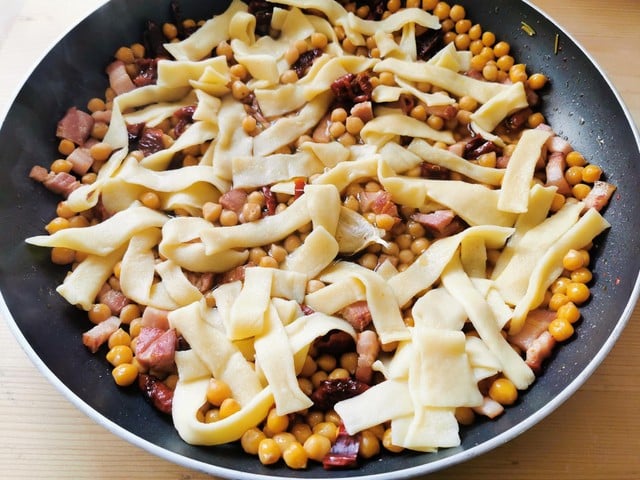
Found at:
(560, 329)
(268, 451)
(217, 392)
(317, 446)
(503, 391)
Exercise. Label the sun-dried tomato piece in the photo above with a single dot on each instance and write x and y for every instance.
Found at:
(434, 172)
(350, 88)
(479, 146)
(185, 117)
(150, 141)
(148, 74)
(344, 452)
(270, 201)
(335, 343)
(429, 43)
(332, 391)
(305, 60)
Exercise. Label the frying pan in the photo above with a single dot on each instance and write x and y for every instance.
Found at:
(45, 324)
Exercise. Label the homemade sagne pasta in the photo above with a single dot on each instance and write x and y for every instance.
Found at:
(319, 228)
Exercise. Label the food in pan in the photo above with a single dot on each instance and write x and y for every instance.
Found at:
(323, 229)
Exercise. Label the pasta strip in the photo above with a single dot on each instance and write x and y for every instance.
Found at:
(427, 268)
(137, 273)
(458, 284)
(105, 237)
(215, 30)
(514, 196)
(275, 358)
(549, 267)
(459, 85)
(216, 351)
(84, 282)
(385, 312)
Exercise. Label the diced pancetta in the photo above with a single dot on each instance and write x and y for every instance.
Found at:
(367, 348)
(357, 314)
(76, 126)
(539, 350)
(114, 299)
(437, 221)
(155, 318)
(599, 195)
(159, 354)
(556, 163)
(119, 79)
(234, 200)
(81, 160)
(489, 408)
(100, 333)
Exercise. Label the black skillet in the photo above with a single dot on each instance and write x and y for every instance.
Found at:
(579, 103)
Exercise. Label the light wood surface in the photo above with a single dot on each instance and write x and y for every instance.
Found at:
(594, 435)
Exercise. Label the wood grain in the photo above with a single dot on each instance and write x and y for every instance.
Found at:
(594, 435)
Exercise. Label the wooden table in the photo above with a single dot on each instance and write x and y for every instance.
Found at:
(594, 435)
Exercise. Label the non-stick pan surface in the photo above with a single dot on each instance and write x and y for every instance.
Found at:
(579, 103)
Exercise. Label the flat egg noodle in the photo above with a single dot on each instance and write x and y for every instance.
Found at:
(82, 284)
(385, 312)
(179, 243)
(274, 356)
(105, 237)
(514, 194)
(458, 84)
(455, 163)
(427, 268)
(138, 270)
(385, 128)
(458, 284)
(530, 247)
(215, 30)
(549, 267)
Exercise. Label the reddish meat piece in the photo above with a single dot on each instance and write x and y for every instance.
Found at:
(556, 163)
(148, 74)
(367, 347)
(377, 202)
(517, 120)
(233, 275)
(362, 110)
(428, 43)
(38, 173)
(448, 112)
(159, 355)
(489, 408)
(76, 126)
(185, 118)
(599, 195)
(305, 60)
(155, 318)
(350, 88)
(357, 314)
(61, 183)
(119, 79)
(536, 323)
(335, 343)
(457, 148)
(270, 201)
(81, 159)
(202, 281)
(434, 172)
(114, 299)
(234, 200)
(559, 144)
(100, 333)
(437, 222)
(159, 394)
(539, 350)
(321, 132)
